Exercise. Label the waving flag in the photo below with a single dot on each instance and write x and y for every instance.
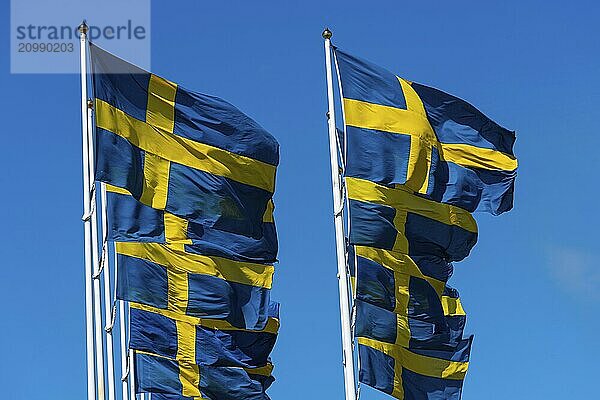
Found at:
(417, 162)
(133, 221)
(191, 284)
(414, 374)
(201, 358)
(192, 155)
(435, 144)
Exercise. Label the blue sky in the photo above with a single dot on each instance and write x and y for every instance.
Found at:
(530, 287)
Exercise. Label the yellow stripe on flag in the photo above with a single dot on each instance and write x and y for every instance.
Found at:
(185, 151)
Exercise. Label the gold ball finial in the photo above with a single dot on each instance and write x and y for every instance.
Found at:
(327, 34)
(83, 28)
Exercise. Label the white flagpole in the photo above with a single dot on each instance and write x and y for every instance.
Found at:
(344, 151)
(92, 215)
(131, 376)
(124, 356)
(348, 355)
(89, 315)
(125, 373)
(108, 303)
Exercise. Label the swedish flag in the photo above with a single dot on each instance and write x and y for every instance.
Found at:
(201, 358)
(401, 133)
(133, 221)
(417, 163)
(171, 279)
(191, 155)
(189, 181)
(419, 374)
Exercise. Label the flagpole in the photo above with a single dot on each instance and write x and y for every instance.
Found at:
(92, 215)
(108, 303)
(354, 261)
(123, 340)
(347, 348)
(131, 376)
(124, 355)
(98, 331)
(89, 314)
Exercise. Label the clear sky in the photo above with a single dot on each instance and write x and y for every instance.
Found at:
(531, 287)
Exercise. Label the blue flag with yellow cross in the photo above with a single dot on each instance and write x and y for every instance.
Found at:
(417, 162)
(201, 358)
(401, 133)
(190, 155)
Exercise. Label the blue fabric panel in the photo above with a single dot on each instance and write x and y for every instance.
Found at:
(375, 284)
(434, 266)
(456, 327)
(119, 163)
(236, 348)
(142, 281)
(341, 139)
(498, 190)
(216, 201)
(472, 189)
(456, 121)
(457, 185)
(377, 156)
(352, 259)
(424, 303)
(423, 334)
(447, 336)
(153, 333)
(444, 335)
(215, 242)
(365, 81)
(429, 327)
(438, 176)
(264, 381)
(213, 121)
(429, 237)
(461, 353)
(372, 225)
(421, 387)
(225, 383)
(376, 369)
(241, 305)
(156, 375)
(233, 348)
(120, 83)
(131, 221)
(274, 308)
(375, 323)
